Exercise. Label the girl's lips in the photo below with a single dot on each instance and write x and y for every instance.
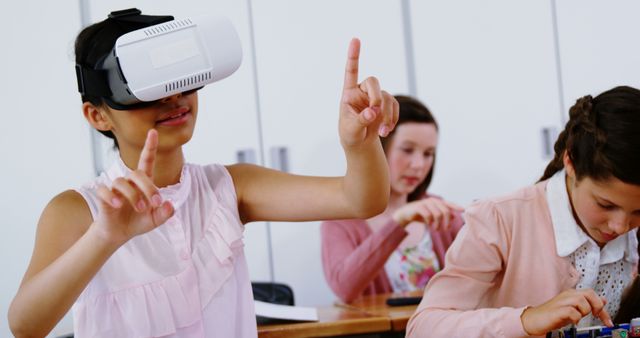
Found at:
(411, 180)
(176, 117)
(608, 237)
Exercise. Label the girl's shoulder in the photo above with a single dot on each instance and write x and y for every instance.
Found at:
(58, 211)
(347, 225)
(217, 175)
(532, 196)
(518, 209)
(211, 181)
(63, 221)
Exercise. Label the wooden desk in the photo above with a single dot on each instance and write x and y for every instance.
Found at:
(333, 321)
(376, 305)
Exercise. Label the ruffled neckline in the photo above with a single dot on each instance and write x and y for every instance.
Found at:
(176, 193)
(173, 304)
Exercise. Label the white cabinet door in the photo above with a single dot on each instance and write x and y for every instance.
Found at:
(598, 46)
(487, 71)
(227, 121)
(301, 49)
(43, 136)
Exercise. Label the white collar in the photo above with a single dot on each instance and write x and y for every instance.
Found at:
(568, 234)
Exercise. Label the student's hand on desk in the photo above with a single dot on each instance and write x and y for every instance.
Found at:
(133, 205)
(433, 211)
(566, 308)
(366, 111)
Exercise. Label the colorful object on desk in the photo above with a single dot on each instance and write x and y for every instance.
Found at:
(618, 331)
(634, 330)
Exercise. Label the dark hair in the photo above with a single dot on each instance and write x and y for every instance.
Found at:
(601, 137)
(601, 141)
(412, 110)
(629, 308)
(93, 43)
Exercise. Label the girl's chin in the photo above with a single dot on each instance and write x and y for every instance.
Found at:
(404, 190)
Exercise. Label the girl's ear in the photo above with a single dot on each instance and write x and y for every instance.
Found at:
(96, 117)
(568, 164)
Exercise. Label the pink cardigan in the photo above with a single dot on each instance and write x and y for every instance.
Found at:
(503, 260)
(353, 257)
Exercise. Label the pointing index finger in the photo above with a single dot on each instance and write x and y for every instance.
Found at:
(148, 155)
(351, 70)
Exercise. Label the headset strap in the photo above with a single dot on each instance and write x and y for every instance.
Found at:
(134, 15)
(92, 82)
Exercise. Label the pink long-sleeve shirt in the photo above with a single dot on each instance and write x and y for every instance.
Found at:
(503, 260)
(353, 256)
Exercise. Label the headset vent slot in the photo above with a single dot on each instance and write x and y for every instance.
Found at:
(176, 86)
(167, 27)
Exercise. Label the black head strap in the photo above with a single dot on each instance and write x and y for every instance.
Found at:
(94, 82)
(134, 15)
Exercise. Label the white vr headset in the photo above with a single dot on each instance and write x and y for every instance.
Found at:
(162, 60)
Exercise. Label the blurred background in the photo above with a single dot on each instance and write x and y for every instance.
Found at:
(498, 75)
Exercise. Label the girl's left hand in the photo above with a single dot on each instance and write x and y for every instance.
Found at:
(433, 211)
(569, 307)
(366, 111)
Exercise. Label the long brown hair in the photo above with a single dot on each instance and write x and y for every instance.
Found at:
(412, 110)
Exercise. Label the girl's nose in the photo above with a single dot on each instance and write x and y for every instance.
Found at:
(619, 224)
(171, 98)
(418, 161)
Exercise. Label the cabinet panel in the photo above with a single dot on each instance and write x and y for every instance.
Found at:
(301, 49)
(43, 135)
(227, 118)
(598, 46)
(487, 71)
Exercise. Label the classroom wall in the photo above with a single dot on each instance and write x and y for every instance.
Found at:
(490, 71)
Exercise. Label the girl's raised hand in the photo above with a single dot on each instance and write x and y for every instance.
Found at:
(133, 205)
(366, 111)
(566, 308)
(433, 211)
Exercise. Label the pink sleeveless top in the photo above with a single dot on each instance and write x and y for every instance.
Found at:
(186, 278)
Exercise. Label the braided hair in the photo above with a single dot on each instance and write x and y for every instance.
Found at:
(601, 137)
(602, 141)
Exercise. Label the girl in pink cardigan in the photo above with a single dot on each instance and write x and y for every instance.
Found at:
(557, 253)
(395, 251)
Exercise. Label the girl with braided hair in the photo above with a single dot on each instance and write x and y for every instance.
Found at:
(562, 251)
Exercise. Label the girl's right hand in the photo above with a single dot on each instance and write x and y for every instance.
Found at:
(566, 308)
(432, 211)
(133, 205)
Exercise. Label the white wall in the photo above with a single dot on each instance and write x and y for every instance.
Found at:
(301, 51)
(486, 69)
(598, 46)
(44, 144)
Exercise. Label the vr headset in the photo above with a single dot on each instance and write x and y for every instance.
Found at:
(163, 59)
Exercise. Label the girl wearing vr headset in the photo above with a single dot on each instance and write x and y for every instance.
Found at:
(563, 251)
(153, 247)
